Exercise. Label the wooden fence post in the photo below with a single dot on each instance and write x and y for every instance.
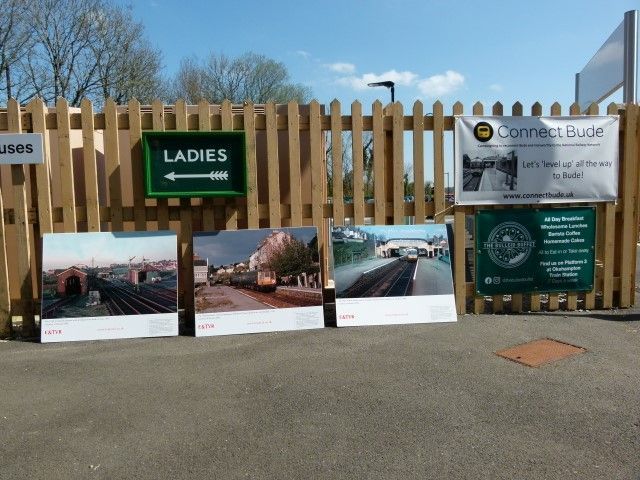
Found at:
(185, 235)
(459, 241)
(5, 297)
(22, 228)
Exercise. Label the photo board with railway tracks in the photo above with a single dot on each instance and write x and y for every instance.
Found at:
(103, 285)
(533, 160)
(392, 274)
(257, 280)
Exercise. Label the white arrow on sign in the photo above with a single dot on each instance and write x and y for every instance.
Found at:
(212, 175)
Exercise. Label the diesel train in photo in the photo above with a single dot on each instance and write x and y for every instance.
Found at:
(260, 280)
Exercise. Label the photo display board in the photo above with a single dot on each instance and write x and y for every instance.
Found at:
(542, 250)
(525, 160)
(103, 285)
(261, 280)
(388, 275)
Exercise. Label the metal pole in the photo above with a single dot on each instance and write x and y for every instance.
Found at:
(630, 81)
(393, 91)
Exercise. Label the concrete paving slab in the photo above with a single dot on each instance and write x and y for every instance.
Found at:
(410, 401)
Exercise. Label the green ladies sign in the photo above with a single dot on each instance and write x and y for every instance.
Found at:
(194, 164)
(541, 250)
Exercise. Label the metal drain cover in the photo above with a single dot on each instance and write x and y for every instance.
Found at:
(538, 352)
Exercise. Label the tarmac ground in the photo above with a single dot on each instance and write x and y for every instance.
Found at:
(428, 401)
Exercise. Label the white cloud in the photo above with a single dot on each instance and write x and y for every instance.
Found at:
(303, 54)
(433, 86)
(360, 83)
(437, 85)
(496, 87)
(340, 67)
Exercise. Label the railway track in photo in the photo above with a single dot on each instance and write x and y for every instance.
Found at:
(392, 280)
(471, 182)
(285, 297)
(51, 310)
(122, 299)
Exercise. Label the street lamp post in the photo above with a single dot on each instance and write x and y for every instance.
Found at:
(387, 83)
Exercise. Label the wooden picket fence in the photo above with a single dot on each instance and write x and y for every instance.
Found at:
(92, 180)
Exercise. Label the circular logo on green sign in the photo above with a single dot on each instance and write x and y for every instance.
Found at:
(509, 245)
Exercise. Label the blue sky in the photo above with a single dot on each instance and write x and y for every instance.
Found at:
(62, 250)
(405, 231)
(226, 247)
(466, 50)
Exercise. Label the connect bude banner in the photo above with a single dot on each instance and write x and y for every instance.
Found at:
(525, 160)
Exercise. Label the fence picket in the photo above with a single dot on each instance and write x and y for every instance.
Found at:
(629, 204)
(43, 182)
(162, 204)
(478, 300)
(5, 296)
(534, 297)
(516, 298)
(459, 242)
(397, 136)
(590, 297)
(204, 125)
(21, 228)
(112, 156)
(497, 301)
(40, 186)
(336, 163)
(358, 162)
(185, 235)
(253, 218)
(317, 182)
(418, 163)
(378, 165)
(230, 204)
(295, 190)
(438, 162)
(137, 169)
(273, 166)
(608, 241)
(65, 159)
(90, 167)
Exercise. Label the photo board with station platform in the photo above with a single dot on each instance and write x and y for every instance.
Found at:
(387, 275)
(257, 280)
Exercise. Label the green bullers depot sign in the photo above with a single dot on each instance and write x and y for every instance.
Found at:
(541, 250)
(194, 164)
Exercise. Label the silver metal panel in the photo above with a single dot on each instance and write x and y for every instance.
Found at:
(604, 73)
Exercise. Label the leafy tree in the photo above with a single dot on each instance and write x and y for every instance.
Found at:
(293, 258)
(15, 39)
(347, 164)
(84, 48)
(250, 77)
